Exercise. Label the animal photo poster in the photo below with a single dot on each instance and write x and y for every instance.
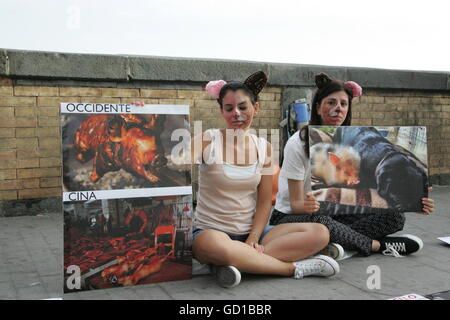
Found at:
(357, 170)
(127, 194)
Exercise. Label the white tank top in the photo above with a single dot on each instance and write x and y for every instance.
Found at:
(237, 172)
(225, 203)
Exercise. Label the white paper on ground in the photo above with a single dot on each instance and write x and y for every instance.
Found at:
(411, 296)
(445, 239)
(347, 254)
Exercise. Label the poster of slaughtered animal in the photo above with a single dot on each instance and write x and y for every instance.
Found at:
(127, 195)
(123, 242)
(112, 150)
(357, 170)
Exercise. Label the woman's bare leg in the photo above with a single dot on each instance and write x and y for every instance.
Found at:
(295, 241)
(215, 247)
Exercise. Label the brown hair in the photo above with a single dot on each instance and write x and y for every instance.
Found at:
(252, 86)
(325, 86)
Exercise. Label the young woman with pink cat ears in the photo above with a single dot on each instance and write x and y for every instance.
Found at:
(363, 233)
(234, 199)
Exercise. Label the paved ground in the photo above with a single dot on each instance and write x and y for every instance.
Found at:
(31, 267)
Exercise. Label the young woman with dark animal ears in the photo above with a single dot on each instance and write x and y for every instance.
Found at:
(364, 233)
(234, 199)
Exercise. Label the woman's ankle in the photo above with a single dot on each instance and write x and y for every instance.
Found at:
(376, 245)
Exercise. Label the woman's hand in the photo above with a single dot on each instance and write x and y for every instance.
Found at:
(311, 205)
(308, 205)
(300, 202)
(252, 241)
(428, 204)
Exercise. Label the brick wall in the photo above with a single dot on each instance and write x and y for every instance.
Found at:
(30, 157)
(33, 84)
(30, 144)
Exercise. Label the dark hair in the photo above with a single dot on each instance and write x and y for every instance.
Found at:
(252, 86)
(326, 86)
(235, 86)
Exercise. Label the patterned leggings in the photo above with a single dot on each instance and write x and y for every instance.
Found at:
(352, 231)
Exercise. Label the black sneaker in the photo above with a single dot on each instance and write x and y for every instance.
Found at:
(400, 245)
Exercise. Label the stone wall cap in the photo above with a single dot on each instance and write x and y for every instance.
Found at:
(23, 64)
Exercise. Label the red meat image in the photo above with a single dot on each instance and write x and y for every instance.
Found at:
(122, 141)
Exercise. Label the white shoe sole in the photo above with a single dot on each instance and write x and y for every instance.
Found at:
(414, 238)
(337, 252)
(331, 262)
(227, 276)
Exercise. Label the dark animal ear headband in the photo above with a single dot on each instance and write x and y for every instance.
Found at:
(255, 82)
(323, 80)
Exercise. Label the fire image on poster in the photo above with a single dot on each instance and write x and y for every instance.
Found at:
(111, 150)
(368, 169)
(127, 197)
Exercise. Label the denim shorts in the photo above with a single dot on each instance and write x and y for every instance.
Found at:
(242, 237)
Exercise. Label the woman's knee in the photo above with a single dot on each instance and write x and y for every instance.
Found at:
(211, 246)
(322, 232)
(319, 235)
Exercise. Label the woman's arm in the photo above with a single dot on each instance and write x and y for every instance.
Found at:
(301, 203)
(263, 204)
(294, 170)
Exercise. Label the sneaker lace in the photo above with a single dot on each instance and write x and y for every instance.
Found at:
(307, 268)
(391, 250)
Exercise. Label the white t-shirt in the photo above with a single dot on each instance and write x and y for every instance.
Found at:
(295, 167)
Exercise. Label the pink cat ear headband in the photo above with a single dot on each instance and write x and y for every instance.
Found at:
(356, 88)
(213, 88)
(322, 80)
(254, 82)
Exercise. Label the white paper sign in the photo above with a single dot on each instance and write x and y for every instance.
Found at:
(411, 296)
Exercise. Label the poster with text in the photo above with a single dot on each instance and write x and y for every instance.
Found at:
(368, 169)
(127, 194)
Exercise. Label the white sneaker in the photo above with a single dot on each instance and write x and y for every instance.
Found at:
(227, 276)
(333, 250)
(320, 265)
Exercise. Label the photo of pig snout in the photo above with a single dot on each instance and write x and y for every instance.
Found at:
(335, 164)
